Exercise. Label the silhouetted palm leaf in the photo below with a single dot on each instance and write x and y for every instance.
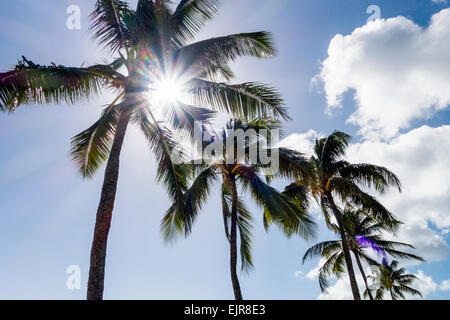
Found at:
(30, 83)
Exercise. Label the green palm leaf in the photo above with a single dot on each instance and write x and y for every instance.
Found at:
(30, 83)
(190, 16)
(326, 248)
(197, 195)
(217, 51)
(294, 165)
(243, 101)
(172, 175)
(346, 189)
(277, 207)
(108, 24)
(184, 117)
(90, 148)
(329, 149)
(368, 175)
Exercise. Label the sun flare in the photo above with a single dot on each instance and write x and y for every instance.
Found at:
(168, 91)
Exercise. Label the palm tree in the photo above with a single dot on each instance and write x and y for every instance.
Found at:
(331, 176)
(394, 280)
(153, 55)
(362, 232)
(236, 217)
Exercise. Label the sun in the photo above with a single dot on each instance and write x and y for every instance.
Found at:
(167, 91)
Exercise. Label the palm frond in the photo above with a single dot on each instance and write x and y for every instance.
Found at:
(30, 83)
(294, 165)
(347, 190)
(223, 50)
(323, 249)
(368, 175)
(323, 281)
(326, 271)
(243, 101)
(245, 225)
(172, 173)
(379, 295)
(367, 259)
(90, 148)
(329, 149)
(197, 195)
(388, 246)
(278, 209)
(298, 194)
(182, 116)
(339, 265)
(146, 22)
(326, 211)
(108, 24)
(189, 17)
(216, 72)
(152, 28)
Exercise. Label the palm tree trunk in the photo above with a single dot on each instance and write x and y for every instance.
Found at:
(233, 242)
(363, 274)
(348, 258)
(104, 213)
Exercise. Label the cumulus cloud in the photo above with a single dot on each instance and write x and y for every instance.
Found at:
(341, 289)
(445, 285)
(399, 71)
(425, 284)
(420, 158)
(302, 142)
(298, 274)
(314, 272)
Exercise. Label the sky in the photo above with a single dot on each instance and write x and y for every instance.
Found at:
(385, 82)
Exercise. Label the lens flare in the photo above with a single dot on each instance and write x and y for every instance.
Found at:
(367, 243)
(167, 91)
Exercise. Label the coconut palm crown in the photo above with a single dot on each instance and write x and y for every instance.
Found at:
(393, 280)
(230, 169)
(332, 178)
(364, 234)
(148, 47)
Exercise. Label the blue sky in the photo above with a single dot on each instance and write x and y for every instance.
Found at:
(47, 210)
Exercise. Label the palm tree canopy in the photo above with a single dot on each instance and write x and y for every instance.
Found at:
(361, 230)
(278, 208)
(148, 45)
(393, 280)
(330, 174)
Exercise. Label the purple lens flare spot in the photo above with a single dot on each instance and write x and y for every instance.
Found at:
(367, 243)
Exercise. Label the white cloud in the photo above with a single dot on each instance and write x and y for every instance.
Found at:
(400, 72)
(445, 285)
(341, 289)
(425, 284)
(302, 142)
(421, 159)
(314, 272)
